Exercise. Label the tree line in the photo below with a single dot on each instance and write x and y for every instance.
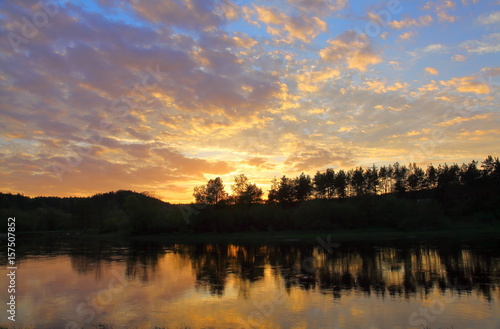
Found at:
(329, 184)
(402, 197)
(119, 211)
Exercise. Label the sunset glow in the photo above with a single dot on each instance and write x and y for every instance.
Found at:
(163, 95)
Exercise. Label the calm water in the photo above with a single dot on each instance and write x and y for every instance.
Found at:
(393, 284)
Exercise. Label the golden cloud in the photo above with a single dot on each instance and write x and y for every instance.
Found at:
(459, 58)
(406, 35)
(429, 87)
(431, 70)
(405, 23)
(299, 27)
(467, 85)
(441, 7)
(353, 48)
(311, 81)
(459, 120)
(380, 87)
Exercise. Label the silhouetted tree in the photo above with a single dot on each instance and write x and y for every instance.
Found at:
(319, 184)
(469, 174)
(349, 187)
(400, 175)
(324, 184)
(372, 180)
(330, 183)
(491, 167)
(448, 176)
(272, 195)
(431, 177)
(212, 193)
(245, 192)
(341, 184)
(303, 187)
(283, 191)
(358, 182)
(385, 175)
(490, 182)
(415, 178)
(200, 194)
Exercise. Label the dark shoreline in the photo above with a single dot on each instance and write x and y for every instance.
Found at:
(310, 236)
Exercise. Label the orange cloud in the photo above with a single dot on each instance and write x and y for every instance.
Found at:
(441, 8)
(431, 70)
(300, 27)
(353, 48)
(461, 119)
(459, 58)
(467, 85)
(481, 135)
(406, 35)
(311, 81)
(430, 86)
(403, 23)
(380, 87)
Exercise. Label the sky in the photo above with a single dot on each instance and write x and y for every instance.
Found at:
(161, 96)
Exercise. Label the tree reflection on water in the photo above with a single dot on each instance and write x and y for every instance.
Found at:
(403, 269)
(394, 271)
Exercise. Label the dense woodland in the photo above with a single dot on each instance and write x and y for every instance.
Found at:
(395, 196)
(357, 182)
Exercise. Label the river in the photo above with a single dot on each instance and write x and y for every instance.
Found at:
(405, 283)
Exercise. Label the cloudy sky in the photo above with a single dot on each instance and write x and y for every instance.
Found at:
(163, 95)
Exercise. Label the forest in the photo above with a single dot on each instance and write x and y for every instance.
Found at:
(400, 197)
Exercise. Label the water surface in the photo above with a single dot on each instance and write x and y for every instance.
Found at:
(71, 283)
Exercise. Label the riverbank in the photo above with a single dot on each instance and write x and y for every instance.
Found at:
(129, 213)
(461, 232)
(313, 236)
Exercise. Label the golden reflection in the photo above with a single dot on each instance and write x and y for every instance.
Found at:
(273, 286)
